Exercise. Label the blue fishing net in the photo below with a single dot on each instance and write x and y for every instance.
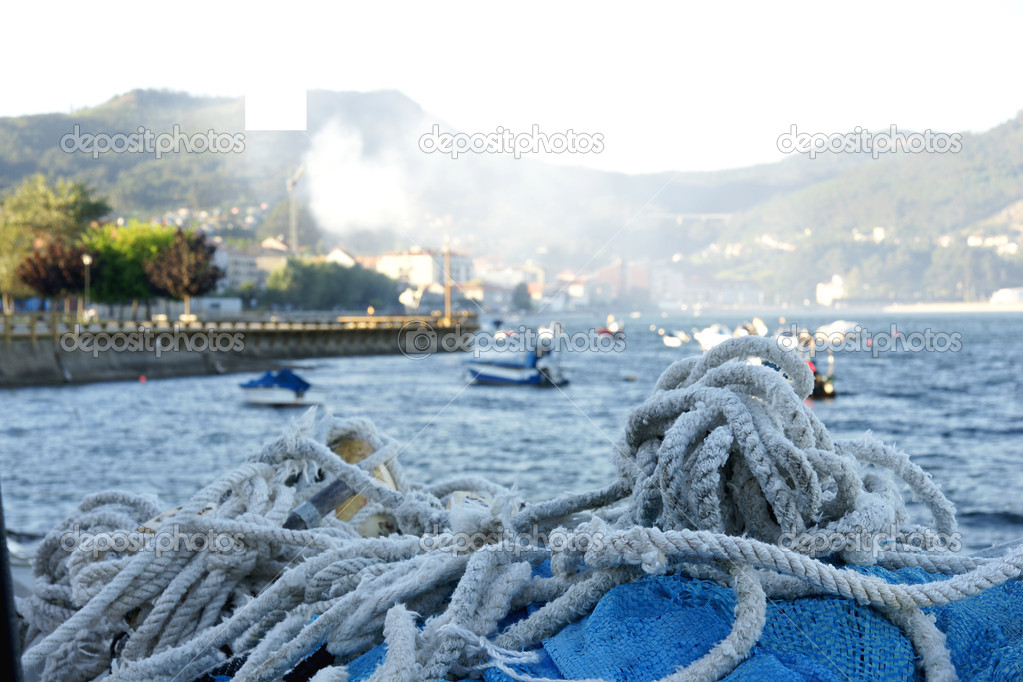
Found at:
(647, 629)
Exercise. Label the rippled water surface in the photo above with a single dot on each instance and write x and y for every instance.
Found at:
(958, 414)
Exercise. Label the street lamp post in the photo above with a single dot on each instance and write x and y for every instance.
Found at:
(87, 261)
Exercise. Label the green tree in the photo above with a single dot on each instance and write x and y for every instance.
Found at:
(520, 297)
(125, 251)
(184, 268)
(35, 213)
(15, 245)
(57, 270)
(326, 286)
(59, 211)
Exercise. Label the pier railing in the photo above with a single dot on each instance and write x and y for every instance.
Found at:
(35, 326)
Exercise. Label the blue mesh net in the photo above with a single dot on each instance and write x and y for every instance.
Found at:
(645, 630)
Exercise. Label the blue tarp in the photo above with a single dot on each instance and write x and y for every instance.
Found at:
(284, 378)
(645, 630)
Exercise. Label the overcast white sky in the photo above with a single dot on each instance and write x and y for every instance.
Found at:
(670, 86)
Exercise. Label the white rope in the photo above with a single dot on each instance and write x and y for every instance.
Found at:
(715, 470)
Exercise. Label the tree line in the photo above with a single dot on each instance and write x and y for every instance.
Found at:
(49, 230)
(328, 286)
(51, 241)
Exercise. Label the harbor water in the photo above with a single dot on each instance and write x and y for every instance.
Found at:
(957, 412)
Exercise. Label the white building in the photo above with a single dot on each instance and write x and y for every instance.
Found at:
(239, 267)
(1007, 296)
(829, 292)
(490, 296)
(341, 257)
(508, 275)
(423, 267)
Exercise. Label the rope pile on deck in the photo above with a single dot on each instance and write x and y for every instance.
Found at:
(716, 470)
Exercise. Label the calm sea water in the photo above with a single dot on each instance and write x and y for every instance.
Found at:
(958, 414)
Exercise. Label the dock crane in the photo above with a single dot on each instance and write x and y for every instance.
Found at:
(293, 205)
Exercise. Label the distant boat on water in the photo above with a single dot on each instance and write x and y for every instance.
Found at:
(539, 366)
(839, 330)
(711, 336)
(613, 328)
(282, 388)
(823, 375)
(674, 339)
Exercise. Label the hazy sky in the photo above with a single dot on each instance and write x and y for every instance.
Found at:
(669, 86)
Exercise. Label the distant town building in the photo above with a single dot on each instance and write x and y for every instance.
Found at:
(423, 267)
(272, 255)
(488, 296)
(618, 280)
(1007, 296)
(239, 266)
(341, 257)
(673, 289)
(368, 262)
(275, 244)
(569, 291)
(241, 269)
(508, 275)
(1002, 243)
(829, 292)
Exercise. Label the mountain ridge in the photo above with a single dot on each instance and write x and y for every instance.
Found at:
(366, 174)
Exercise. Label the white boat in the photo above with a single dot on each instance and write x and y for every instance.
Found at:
(674, 339)
(755, 328)
(613, 328)
(712, 336)
(282, 388)
(838, 330)
(539, 366)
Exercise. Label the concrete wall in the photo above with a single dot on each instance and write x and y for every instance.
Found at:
(26, 362)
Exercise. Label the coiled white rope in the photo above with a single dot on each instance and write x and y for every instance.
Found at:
(717, 468)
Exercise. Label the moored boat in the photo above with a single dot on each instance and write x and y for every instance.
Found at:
(823, 376)
(711, 336)
(282, 388)
(674, 339)
(539, 366)
(613, 328)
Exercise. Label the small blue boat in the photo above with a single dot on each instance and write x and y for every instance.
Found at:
(282, 388)
(540, 366)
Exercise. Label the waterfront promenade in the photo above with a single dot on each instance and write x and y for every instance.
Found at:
(50, 348)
